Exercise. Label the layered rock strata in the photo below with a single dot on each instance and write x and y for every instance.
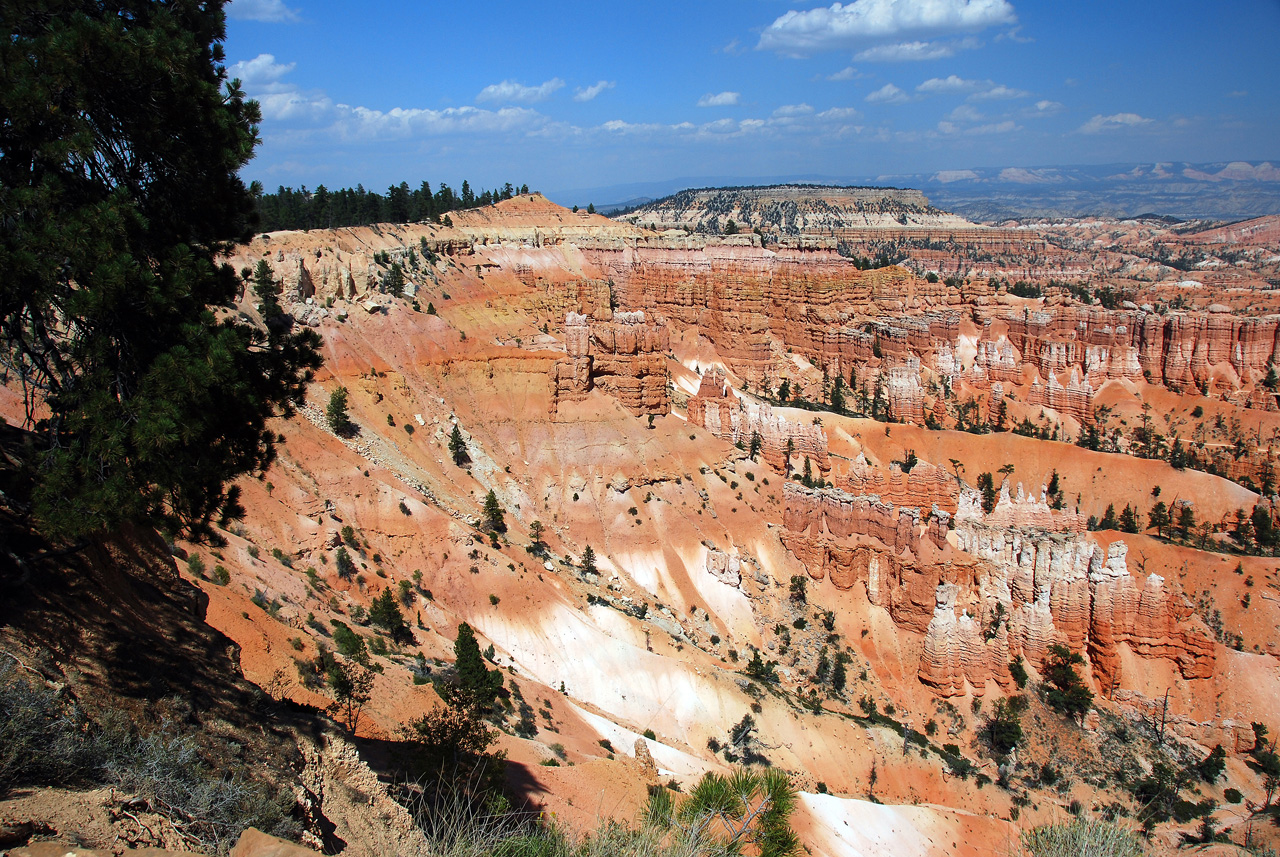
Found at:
(625, 357)
(719, 410)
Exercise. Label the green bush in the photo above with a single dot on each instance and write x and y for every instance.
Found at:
(1083, 838)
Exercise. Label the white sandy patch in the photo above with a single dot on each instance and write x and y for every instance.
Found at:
(858, 828)
(668, 759)
(560, 644)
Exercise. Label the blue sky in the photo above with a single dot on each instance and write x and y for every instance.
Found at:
(566, 95)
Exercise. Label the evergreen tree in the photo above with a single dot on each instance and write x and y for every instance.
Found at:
(589, 561)
(346, 568)
(474, 686)
(1066, 690)
(336, 412)
(838, 676)
(267, 290)
(1186, 520)
(385, 613)
(784, 391)
(837, 395)
(494, 517)
(1129, 519)
(394, 282)
(1109, 521)
(121, 140)
(756, 443)
(806, 475)
(1158, 517)
(458, 447)
(987, 485)
(536, 545)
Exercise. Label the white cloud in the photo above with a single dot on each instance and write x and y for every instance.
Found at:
(1115, 121)
(998, 128)
(1014, 35)
(1004, 127)
(259, 73)
(1045, 107)
(838, 114)
(271, 11)
(913, 51)
(845, 25)
(586, 93)
(999, 92)
(888, 94)
(788, 110)
(1238, 93)
(720, 99)
(509, 90)
(846, 73)
(965, 113)
(950, 83)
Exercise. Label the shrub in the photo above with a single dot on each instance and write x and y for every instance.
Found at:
(349, 643)
(1082, 838)
(1067, 691)
(650, 734)
(1018, 671)
(1003, 730)
(44, 740)
(1232, 795)
(221, 576)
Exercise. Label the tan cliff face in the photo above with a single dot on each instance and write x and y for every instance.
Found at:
(556, 335)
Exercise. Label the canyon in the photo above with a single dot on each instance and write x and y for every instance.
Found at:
(774, 449)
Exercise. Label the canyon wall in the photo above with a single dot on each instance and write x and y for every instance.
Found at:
(625, 357)
(719, 410)
(1008, 584)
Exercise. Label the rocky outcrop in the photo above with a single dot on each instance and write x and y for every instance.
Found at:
(1074, 399)
(904, 393)
(1154, 622)
(625, 357)
(719, 410)
(835, 513)
(956, 648)
(924, 485)
(1025, 577)
(1177, 349)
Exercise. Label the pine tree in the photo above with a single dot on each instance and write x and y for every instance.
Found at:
(756, 443)
(494, 517)
(336, 412)
(121, 140)
(1186, 520)
(474, 685)
(1158, 517)
(385, 613)
(589, 561)
(986, 484)
(1129, 519)
(536, 545)
(458, 447)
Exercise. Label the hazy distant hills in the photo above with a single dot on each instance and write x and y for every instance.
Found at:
(1224, 190)
(793, 209)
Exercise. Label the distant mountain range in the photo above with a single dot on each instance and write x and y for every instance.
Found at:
(1224, 190)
